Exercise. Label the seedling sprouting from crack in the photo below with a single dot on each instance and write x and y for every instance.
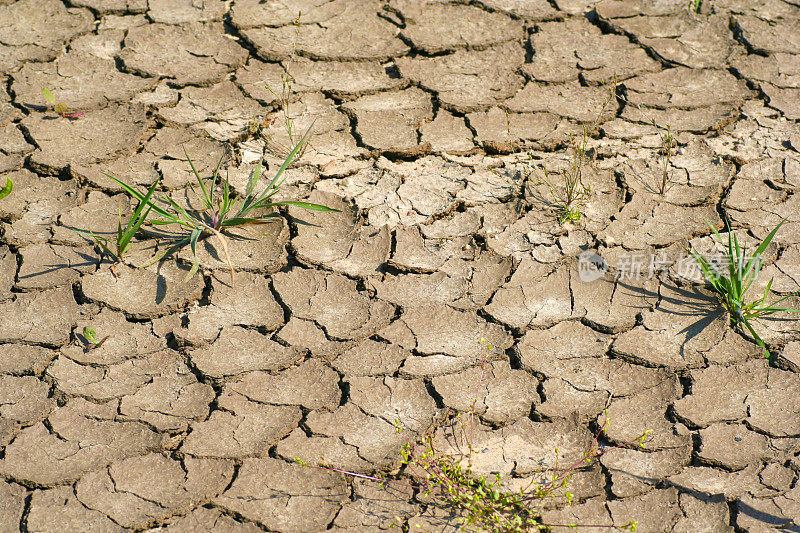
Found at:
(567, 193)
(59, 107)
(667, 144)
(732, 286)
(570, 192)
(90, 335)
(264, 127)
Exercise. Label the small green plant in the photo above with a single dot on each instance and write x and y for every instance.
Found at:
(484, 504)
(220, 209)
(59, 107)
(90, 335)
(122, 241)
(7, 188)
(264, 127)
(668, 143)
(695, 5)
(732, 286)
(568, 195)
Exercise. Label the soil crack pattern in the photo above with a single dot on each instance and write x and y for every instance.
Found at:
(359, 265)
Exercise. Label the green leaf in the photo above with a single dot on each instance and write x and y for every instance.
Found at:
(241, 221)
(193, 239)
(140, 197)
(90, 334)
(6, 190)
(48, 96)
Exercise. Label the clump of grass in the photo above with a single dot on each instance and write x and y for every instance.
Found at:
(732, 286)
(485, 504)
(221, 210)
(567, 193)
(7, 188)
(570, 191)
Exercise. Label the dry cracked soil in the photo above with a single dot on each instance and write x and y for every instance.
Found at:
(433, 124)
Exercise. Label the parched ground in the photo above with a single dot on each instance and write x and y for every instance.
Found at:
(431, 122)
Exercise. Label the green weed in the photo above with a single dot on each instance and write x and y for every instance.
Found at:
(220, 209)
(732, 286)
(7, 188)
(567, 193)
(264, 128)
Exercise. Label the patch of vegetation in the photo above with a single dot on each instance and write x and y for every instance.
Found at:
(90, 336)
(486, 504)
(220, 210)
(668, 143)
(264, 128)
(732, 285)
(567, 192)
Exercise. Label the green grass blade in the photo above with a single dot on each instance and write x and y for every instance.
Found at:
(193, 270)
(183, 218)
(141, 197)
(242, 221)
(247, 204)
(251, 183)
(275, 184)
(757, 338)
(7, 188)
(760, 250)
(147, 197)
(226, 200)
(206, 198)
(214, 180)
(305, 205)
(131, 231)
(102, 242)
(193, 239)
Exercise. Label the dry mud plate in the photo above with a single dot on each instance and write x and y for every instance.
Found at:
(434, 126)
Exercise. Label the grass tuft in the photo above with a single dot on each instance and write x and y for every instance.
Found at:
(220, 210)
(732, 285)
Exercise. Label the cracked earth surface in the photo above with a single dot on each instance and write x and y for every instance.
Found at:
(337, 326)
